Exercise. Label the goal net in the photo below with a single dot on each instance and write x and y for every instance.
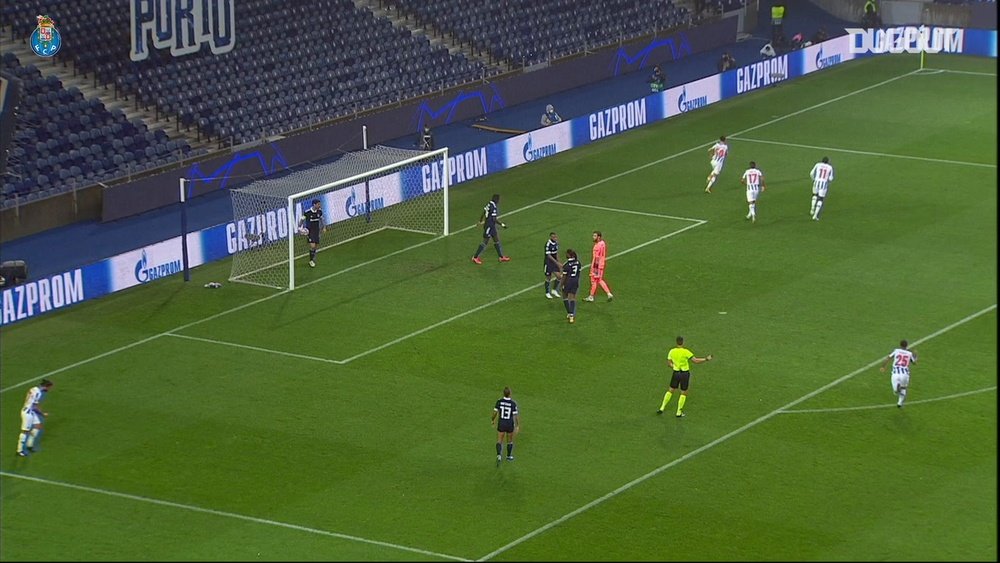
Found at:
(361, 193)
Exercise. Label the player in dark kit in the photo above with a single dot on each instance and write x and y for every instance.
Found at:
(490, 219)
(571, 283)
(552, 266)
(507, 423)
(312, 221)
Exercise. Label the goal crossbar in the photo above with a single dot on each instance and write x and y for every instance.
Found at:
(362, 193)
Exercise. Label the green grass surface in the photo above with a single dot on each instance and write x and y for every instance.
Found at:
(162, 447)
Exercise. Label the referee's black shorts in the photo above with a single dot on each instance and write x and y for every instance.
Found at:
(680, 379)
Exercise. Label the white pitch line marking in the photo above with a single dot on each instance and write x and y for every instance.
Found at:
(891, 405)
(643, 213)
(256, 348)
(532, 287)
(233, 515)
(715, 442)
(696, 223)
(407, 249)
(933, 71)
(868, 153)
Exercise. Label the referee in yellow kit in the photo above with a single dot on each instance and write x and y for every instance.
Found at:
(680, 359)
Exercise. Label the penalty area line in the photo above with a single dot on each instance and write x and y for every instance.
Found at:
(256, 348)
(532, 287)
(435, 239)
(643, 213)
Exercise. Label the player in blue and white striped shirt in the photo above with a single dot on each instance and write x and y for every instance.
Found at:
(32, 417)
(821, 175)
(901, 359)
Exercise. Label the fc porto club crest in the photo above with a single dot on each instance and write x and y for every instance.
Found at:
(45, 40)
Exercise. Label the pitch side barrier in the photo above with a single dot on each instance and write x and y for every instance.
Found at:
(163, 259)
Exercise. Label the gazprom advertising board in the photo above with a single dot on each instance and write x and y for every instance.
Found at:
(163, 259)
(538, 144)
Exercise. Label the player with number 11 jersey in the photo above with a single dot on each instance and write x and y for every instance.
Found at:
(821, 175)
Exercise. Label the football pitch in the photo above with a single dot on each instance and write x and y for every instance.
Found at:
(349, 419)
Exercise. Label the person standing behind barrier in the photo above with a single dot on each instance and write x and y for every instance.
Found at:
(550, 117)
(777, 20)
(657, 80)
(426, 141)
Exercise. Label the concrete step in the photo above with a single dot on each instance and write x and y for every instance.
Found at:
(85, 84)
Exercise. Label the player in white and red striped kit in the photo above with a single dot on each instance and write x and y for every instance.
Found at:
(754, 180)
(718, 151)
(821, 175)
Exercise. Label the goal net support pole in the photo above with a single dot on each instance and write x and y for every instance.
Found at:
(362, 193)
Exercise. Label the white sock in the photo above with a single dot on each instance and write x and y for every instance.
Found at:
(902, 396)
(711, 180)
(753, 209)
(819, 205)
(22, 441)
(31, 437)
(812, 209)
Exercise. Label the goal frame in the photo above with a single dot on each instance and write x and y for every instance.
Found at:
(292, 226)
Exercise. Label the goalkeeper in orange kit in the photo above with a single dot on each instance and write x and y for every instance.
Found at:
(597, 268)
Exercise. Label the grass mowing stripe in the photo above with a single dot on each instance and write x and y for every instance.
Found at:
(526, 207)
(716, 442)
(233, 515)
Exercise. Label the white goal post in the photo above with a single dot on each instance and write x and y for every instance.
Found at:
(361, 193)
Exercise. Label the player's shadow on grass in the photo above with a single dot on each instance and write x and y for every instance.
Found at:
(168, 297)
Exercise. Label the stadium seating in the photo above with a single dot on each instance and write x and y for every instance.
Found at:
(727, 5)
(274, 81)
(296, 64)
(63, 141)
(523, 33)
